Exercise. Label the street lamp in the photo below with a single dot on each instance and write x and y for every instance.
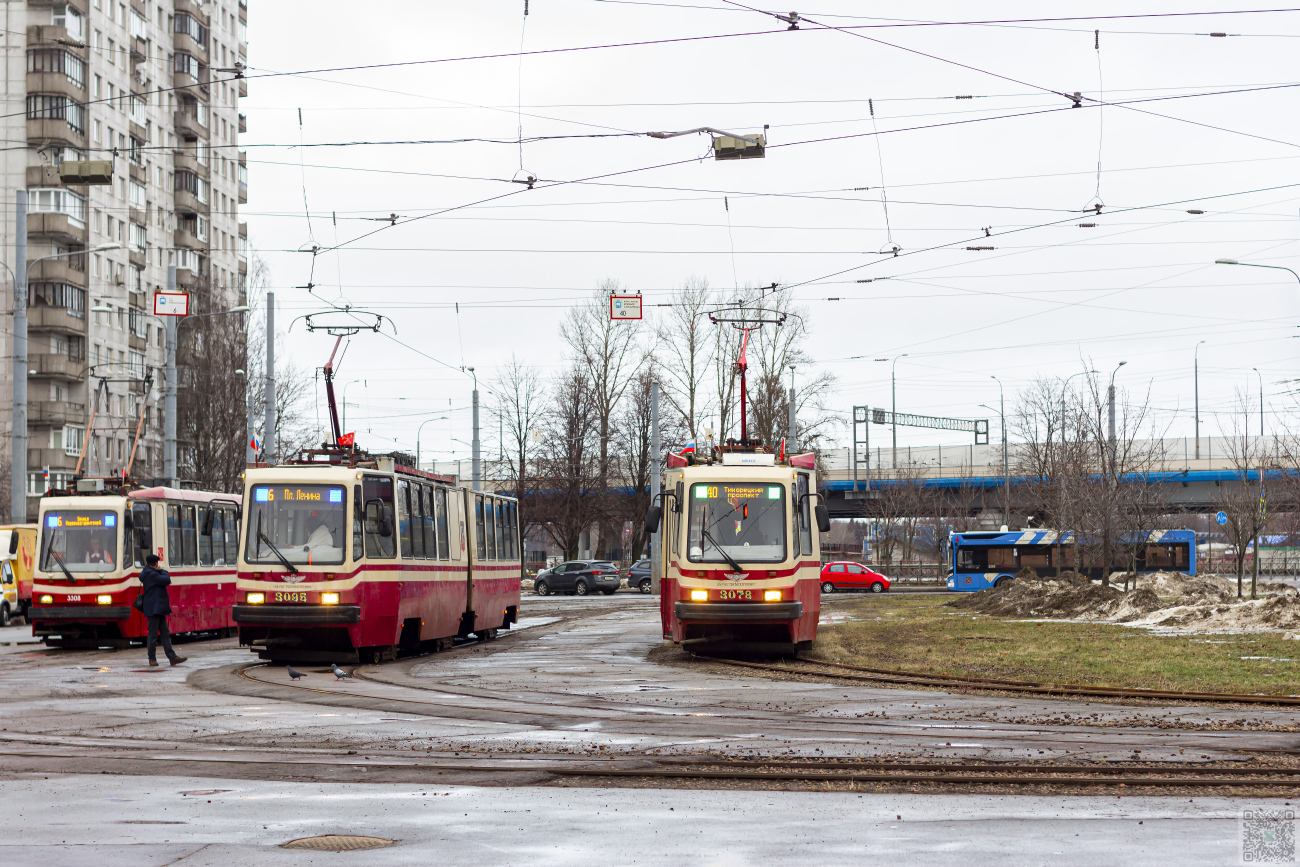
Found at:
(345, 401)
(417, 434)
(18, 438)
(1110, 401)
(1253, 265)
(1006, 465)
(1196, 396)
(893, 403)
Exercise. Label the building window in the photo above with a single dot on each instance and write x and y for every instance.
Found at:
(187, 24)
(192, 184)
(138, 102)
(69, 438)
(137, 194)
(136, 363)
(49, 106)
(58, 60)
(139, 238)
(139, 26)
(186, 64)
(56, 201)
(71, 20)
(70, 298)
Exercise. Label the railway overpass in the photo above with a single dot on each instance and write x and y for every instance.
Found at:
(970, 478)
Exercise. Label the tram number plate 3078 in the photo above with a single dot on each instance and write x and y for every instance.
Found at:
(291, 597)
(736, 594)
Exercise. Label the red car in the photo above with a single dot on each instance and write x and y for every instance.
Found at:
(852, 576)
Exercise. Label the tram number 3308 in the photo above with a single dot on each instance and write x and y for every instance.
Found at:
(736, 594)
(291, 597)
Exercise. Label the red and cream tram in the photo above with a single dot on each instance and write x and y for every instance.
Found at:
(741, 549)
(349, 557)
(91, 549)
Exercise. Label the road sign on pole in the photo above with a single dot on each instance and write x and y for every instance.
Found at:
(1221, 518)
(624, 307)
(171, 304)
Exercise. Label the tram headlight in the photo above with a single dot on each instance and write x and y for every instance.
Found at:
(47, 599)
(699, 596)
(771, 595)
(255, 598)
(329, 599)
(104, 599)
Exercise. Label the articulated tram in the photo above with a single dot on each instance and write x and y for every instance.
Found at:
(350, 557)
(741, 557)
(91, 548)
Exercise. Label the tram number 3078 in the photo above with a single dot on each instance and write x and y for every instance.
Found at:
(736, 594)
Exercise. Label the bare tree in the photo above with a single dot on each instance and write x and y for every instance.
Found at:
(517, 407)
(685, 344)
(633, 444)
(566, 498)
(1242, 500)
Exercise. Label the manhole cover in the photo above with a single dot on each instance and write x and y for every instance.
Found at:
(338, 843)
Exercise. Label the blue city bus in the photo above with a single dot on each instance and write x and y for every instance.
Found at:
(981, 560)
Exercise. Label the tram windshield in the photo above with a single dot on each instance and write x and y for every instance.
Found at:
(79, 540)
(303, 523)
(744, 521)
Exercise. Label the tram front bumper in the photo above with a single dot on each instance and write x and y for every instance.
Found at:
(737, 612)
(296, 615)
(79, 612)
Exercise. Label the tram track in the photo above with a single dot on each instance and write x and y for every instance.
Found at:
(844, 671)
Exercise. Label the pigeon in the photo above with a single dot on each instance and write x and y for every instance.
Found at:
(339, 673)
(293, 674)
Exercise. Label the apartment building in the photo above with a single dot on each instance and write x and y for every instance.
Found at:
(140, 85)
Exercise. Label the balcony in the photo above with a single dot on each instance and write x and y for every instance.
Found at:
(186, 238)
(188, 126)
(243, 123)
(59, 271)
(243, 87)
(54, 131)
(55, 413)
(139, 50)
(194, 10)
(57, 226)
(55, 459)
(186, 161)
(138, 343)
(58, 320)
(54, 82)
(43, 176)
(51, 366)
(188, 203)
(183, 81)
(138, 258)
(188, 44)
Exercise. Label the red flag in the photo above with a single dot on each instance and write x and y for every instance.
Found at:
(347, 439)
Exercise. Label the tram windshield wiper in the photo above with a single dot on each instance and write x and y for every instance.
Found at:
(705, 534)
(49, 552)
(261, 537)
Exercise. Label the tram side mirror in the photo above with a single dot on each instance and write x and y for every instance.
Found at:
(652, 519)
(679, 496)
(128, 523)
(823, 519)
(13, 542)
(385, 522)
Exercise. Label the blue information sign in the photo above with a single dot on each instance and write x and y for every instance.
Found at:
(1222, 518)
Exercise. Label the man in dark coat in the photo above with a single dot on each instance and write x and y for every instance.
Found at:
(156, 607)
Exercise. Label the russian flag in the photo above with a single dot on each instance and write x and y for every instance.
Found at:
(690, 447)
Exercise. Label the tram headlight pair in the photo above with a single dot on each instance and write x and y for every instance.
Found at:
(329, 599)
(255, 598)
(771, 595)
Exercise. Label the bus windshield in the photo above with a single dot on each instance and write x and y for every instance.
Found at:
(744, 521)
(303, 523)
(80, 540)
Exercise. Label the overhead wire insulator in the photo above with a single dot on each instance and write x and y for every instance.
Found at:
(981, 248)
(1087, 225)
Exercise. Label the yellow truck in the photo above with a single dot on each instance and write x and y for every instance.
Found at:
(17, 558)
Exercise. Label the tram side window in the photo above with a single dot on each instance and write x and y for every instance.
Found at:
(378, 494)
(404, 518)
(175, 557)
(444, 543)
(512, 532)
(429, 523)
(478, 526)
(232, 536)
(805, 519)
(205, 541)
(217, 538)
(489, 516)
(141, 540)
(417, 521)
(189, 535)
(503, 547)
(358, 534)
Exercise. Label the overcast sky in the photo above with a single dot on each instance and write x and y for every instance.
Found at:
(1052, 298)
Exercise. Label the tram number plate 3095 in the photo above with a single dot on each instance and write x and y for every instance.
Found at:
(736, 594)
(291, 597)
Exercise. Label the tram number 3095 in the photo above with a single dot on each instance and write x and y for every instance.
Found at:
(736, 594)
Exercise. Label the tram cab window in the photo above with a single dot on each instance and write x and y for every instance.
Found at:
(358, 531)
(404, 518)
(378, 494)
(805, 518)
(141, 540)
(444, 544)
(480, 530)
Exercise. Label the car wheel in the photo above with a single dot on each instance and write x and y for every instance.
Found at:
(5, 617)
(828, 587)
(580, 588)
(541, 589)
(644, 586)
(877, 587)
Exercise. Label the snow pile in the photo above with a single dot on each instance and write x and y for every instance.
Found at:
(1166, 601)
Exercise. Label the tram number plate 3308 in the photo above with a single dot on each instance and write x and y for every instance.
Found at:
(736, 594)
(291, 597)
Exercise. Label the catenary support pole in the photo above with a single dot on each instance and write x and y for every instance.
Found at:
(656, 481)
(250, 431)
(18, 461)
(169, 393)
(268, 420)
(476, 468)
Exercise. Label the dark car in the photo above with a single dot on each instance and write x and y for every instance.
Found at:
(639, 576)
(580, 577)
